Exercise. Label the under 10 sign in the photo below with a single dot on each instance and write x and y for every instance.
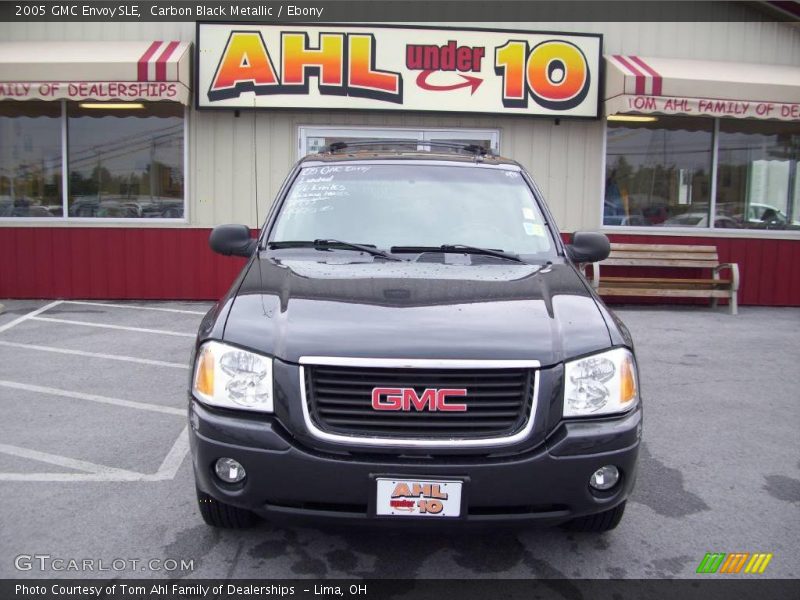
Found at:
(398, 68)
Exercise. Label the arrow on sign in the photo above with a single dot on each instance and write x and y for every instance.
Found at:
(469, 81)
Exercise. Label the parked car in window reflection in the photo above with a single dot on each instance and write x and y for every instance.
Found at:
(165, 208)
(700, 219)
(24, 207)
(762, 215)
(127, 208)
(629, 220)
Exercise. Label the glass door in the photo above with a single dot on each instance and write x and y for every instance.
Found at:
(312, 139)
(488, 138)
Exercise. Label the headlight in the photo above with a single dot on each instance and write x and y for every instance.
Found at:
(602, 384)
(232, 378)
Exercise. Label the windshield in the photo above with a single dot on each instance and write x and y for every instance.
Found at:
(414, 205)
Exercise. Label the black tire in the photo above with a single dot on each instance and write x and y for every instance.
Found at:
(219, 514)
(604, 521)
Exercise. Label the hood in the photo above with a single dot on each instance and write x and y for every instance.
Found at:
(292, 308)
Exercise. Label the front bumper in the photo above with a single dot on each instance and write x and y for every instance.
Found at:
(286, 479)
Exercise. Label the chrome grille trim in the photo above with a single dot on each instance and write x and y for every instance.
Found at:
(418, 363)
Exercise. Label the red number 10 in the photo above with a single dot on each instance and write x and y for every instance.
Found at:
(554, 73)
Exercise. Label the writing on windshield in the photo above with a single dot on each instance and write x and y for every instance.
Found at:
(408, 204)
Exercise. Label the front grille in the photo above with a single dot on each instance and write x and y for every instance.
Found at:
(498, 401)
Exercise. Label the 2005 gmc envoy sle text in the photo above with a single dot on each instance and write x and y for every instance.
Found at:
(410, 340)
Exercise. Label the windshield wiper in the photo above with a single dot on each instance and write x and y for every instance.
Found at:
(329, 244)
(460, 248)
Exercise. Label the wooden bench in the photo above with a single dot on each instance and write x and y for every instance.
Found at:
(668, 256)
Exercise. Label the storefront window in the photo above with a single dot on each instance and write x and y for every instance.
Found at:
(757, 181)
(30, 159)
(125, 161)
(658, 172)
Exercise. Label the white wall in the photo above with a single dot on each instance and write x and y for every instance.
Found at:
(565, 159)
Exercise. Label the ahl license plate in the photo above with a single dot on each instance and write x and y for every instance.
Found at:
(417, 498)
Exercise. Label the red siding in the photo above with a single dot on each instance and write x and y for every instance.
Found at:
(61, 262)
(130, 263)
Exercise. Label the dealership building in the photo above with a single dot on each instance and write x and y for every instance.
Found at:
(123, 144)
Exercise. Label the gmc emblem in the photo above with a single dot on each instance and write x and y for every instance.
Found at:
(407, 399)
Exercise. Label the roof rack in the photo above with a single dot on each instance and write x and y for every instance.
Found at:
(473, 149)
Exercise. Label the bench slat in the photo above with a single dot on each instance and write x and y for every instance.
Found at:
(664, 292)
(604, 279)
(659, 247)
(652, 262)
(666, 286)
(665, 255)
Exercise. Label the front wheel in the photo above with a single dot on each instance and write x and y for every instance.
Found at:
(219, 514)
(604, 521)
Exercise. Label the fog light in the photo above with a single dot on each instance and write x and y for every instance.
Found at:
(229, 470)
(604, 478)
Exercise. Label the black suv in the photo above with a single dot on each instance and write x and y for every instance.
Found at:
(410, 340)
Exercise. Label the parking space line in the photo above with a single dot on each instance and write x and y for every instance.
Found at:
(119, 357)
(39, 389)
(172, 461)
(29, 315)
(92, 472)
(98, 473)
(72, 477)
(134, 306)
(108, 326)
(62, 461)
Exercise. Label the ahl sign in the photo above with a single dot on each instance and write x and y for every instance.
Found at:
(398, 68)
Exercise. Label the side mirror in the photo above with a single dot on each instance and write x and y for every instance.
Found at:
(588, 246)
(232, 240)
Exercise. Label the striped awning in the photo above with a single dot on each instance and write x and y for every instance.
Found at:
(636, 84)
(112, 71)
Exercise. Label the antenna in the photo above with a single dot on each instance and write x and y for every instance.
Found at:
(255, 160)
(255, 195)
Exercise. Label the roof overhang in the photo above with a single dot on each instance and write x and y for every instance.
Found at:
(113, 71)
(672, 86)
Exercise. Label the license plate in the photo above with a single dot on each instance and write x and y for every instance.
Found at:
(418, 498)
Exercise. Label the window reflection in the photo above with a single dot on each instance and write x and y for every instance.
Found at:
(315, 138)
(317, 143)
(30, 159)
(126, 163)
(757, 182)
(658, 172)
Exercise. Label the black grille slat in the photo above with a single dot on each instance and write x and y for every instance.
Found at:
(498, 401)
(327, 382)
(350, 392)
(475, 404)
(338, 372)
(426, 424)
(420, 415)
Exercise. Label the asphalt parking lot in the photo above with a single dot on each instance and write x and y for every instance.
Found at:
(94, 463)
